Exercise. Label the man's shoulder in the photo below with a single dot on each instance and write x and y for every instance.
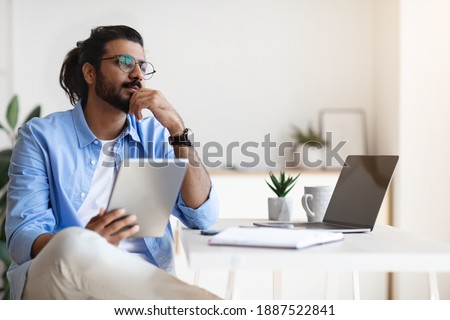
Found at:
(51, 121)
(52, 125)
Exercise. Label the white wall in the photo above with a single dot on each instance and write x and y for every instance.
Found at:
(386, 73)
(5, 84)
(4, 40)
(423, 202)
(235, 70)
(411, 103)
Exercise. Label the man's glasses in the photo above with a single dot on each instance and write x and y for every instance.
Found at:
(127, 64)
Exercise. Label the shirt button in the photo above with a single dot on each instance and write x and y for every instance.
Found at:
(95, 141)
(93, 162)
(83, 194)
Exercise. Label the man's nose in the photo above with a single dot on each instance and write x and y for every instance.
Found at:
(137, 73)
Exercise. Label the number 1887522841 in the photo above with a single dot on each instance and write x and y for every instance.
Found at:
(295, 309)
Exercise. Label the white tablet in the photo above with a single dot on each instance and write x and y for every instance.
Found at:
(148, 188)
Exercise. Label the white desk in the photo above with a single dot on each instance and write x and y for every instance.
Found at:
(385, 249)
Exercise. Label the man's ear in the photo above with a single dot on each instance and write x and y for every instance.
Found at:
(88, 73)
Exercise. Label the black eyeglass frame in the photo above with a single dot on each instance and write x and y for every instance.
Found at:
(147, 76)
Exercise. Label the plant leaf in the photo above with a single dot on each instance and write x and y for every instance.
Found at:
(5, 157)
(283, 184)
(4, 255)
(13, 112)
(273, 189)
(4, 128)
(292, 180)
(6, 290)
(2, 209)
(36, 112)
(6, 260)
(275, 182)
(282, 178)
(289, 189)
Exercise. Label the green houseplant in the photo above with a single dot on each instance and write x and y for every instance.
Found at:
(309, 136)
(311, 146)
(281, 207)
(10, 128)
(282, 185)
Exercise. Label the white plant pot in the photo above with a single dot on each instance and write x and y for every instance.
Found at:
(281, 209)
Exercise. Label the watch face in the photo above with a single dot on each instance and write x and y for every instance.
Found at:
(184, 139)
(190, 137)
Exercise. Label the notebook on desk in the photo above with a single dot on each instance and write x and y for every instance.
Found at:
(357, 197)
(273, 237)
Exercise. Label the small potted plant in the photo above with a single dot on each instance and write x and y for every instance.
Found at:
(281, 207)
(311, 147)
(309, 136)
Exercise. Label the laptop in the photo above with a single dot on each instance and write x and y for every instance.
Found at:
(148, 188)
(357, 197)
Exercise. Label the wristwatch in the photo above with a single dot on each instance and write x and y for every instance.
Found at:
(185, 138)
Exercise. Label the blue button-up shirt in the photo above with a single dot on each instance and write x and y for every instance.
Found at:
(51, 173)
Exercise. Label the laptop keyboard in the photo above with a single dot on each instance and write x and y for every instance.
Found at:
(320, 225)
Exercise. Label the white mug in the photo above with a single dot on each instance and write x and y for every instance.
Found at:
(315, 202)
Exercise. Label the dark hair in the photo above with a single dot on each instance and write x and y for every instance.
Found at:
(90, 50)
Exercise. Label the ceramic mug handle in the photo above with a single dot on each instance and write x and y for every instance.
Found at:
(305, 199)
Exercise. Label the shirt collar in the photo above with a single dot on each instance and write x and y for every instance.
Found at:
(132, 128)
(85, 135)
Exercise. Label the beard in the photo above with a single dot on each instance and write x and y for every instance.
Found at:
(111, 94)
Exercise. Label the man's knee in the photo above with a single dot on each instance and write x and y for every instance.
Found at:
(74, 245)
(54, 273)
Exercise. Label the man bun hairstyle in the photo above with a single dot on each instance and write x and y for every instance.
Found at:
(90, 51)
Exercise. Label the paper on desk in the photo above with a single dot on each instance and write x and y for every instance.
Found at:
(274, 237)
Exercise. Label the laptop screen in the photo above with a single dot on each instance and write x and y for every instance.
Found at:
(360, 190)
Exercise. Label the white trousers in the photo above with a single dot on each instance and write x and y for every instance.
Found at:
(80, 264)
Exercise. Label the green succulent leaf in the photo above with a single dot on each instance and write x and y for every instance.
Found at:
(287, 190)
(275, 182)
(282, 185)
(12, 112)
(36, 112)
(273, 189)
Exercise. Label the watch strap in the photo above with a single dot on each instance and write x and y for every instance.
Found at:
(181, 139)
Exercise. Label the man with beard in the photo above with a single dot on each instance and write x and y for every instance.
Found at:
(62, 242)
